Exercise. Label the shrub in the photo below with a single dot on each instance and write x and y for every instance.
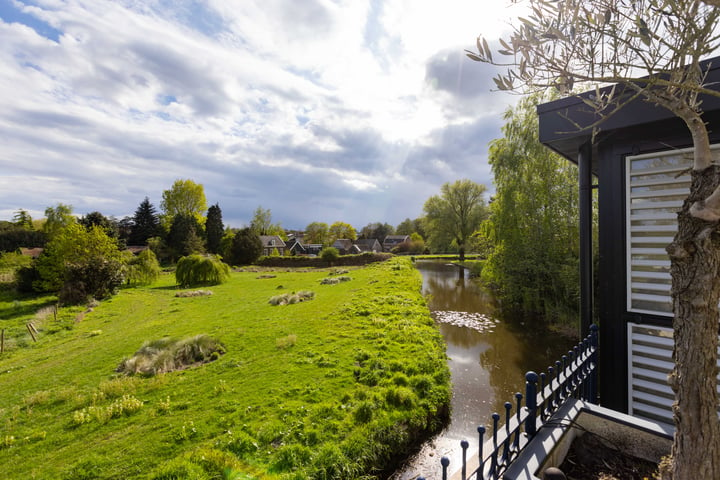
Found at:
(143, 269)
(196, 270)
(245, 247)
(81, 263)
(330, 254)
(95, 278)
(26, 278)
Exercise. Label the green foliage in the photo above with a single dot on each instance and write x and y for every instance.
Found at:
(14, 238)
(453, 216)
(81, 263)
(195, 270)
(534, 221)
(100, 220)
(262, 224)
(11, 261)
(214, 229)
(185, 197)
(317, 233)
(57, 218)
(22, 219)
(246, 248)
(339, 230)
(329, 254)
(143, 269)
(145, 225)
(377, 230)
(94, 277)
(184, 237)
(408, 227)
(166, 355)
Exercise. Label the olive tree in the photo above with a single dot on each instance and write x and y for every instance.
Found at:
(651, 50)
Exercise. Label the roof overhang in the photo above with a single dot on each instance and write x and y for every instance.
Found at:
(568, 123)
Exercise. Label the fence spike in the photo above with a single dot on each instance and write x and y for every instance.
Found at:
(464, 445)
(444, 461)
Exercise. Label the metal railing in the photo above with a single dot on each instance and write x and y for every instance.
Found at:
(574, 376)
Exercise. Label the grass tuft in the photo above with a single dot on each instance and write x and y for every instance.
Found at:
(194, 293)
(286, 342)
(166, 355)
(291, 298)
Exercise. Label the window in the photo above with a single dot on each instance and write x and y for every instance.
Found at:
(656, 186)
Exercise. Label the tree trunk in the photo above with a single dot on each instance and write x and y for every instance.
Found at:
(695, 266)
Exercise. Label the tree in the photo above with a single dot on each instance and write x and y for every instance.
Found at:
(23, 219)
(57, 218)
(214, 229)
(100, 220)
(262, 224)
(196, 270)
(340, 230)
(143, 269)
(456, 213)
(317, 232)
(146, 223)
(533, 220)
(185, 197)
(184, 237)
(651, 50)
(81, 263)
(377, 230)
(246, 247)
(125, 227)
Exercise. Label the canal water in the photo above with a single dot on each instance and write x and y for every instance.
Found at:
(488, 357)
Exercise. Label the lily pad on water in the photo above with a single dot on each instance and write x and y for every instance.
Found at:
(475, 321)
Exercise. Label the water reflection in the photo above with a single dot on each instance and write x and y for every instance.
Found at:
(487, 366)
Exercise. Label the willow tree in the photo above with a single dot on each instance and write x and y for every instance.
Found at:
(650, 50)
(456, 213)
(533, 220)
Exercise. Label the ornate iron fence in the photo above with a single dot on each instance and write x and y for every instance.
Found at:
(574, 376)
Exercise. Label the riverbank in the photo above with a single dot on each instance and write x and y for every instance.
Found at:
(336, 386)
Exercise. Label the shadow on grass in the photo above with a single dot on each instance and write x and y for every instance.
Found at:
(22, 309)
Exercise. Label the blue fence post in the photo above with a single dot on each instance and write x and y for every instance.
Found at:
(494, 459)
(518, 408)
(592, 394)
(444, 461)
(506, 444)
(481, 441)
(531, 379)
(464, 445)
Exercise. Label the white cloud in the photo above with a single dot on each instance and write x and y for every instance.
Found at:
(318, 110)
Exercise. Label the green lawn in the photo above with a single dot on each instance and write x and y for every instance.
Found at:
(332, 387)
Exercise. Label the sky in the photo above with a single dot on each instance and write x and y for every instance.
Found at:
(319, 110)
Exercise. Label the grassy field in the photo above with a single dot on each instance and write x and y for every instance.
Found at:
(332, 387)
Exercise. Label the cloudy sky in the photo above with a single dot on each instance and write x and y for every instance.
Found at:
(319, 110)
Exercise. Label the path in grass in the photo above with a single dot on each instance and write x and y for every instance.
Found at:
(327, 388)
